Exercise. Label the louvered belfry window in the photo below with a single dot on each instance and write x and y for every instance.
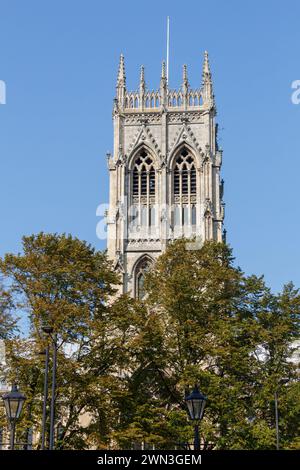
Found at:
(185, 189)
(143, 189)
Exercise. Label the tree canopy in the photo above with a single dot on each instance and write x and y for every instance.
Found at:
(124, 366)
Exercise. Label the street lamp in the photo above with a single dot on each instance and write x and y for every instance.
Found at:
(48, 330)
(45, 354)
(196, 402)
(13, 402)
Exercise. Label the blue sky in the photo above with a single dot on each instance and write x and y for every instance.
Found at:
(59, 62)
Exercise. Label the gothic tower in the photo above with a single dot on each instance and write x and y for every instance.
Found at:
(164, 172)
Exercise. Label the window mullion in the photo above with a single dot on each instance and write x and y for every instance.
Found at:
(140, 207)
(148, 198)
(189, 199)
(180, 197)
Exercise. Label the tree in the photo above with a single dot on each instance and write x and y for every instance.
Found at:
(8, 320)
(8, 328)
(206, 322)
(68, 284)
(124, 365)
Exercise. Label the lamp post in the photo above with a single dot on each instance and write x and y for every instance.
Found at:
(45, 353)
(13, 402)
(48, 330)
(53, 392)
(196, 403)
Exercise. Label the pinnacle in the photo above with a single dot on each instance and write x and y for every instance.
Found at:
(142, 76)
(206, 68)
(163, 69)
(121, 72)
(185, 73)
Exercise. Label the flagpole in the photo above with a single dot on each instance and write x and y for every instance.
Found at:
(168, 46)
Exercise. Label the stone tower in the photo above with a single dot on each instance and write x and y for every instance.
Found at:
(164, 172)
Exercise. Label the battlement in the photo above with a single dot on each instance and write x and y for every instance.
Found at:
(152, 100)
(184, 98)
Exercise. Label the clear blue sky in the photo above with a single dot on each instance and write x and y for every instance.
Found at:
(59, 61)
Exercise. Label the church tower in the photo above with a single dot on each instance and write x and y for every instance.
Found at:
(164, 172)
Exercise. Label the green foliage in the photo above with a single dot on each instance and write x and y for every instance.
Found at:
(227, 332)
(65, 282)
(8, 321)
(124, 366)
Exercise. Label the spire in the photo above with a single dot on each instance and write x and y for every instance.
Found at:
(121, 72)
(208, 96)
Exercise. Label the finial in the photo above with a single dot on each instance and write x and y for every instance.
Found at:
(163, 86)
(142, 76)
(121, 72)
(163, 69)
(142, 82)
(207, 86)
(185, 87)
(206, 75)
(185, 73)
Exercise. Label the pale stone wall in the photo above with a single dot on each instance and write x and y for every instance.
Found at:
(162, 122)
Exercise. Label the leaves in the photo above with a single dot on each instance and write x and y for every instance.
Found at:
(124, 366)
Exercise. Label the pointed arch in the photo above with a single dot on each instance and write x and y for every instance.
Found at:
(142, 191)
(140, 268)
(184, 187)
(137, 150)
(143, 175)
(180, 146)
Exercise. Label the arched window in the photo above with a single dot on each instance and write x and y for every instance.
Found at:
(143, 175)
(143, 189)
(185, 174)
(141, 269)
(184, 189)
(140, 286)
